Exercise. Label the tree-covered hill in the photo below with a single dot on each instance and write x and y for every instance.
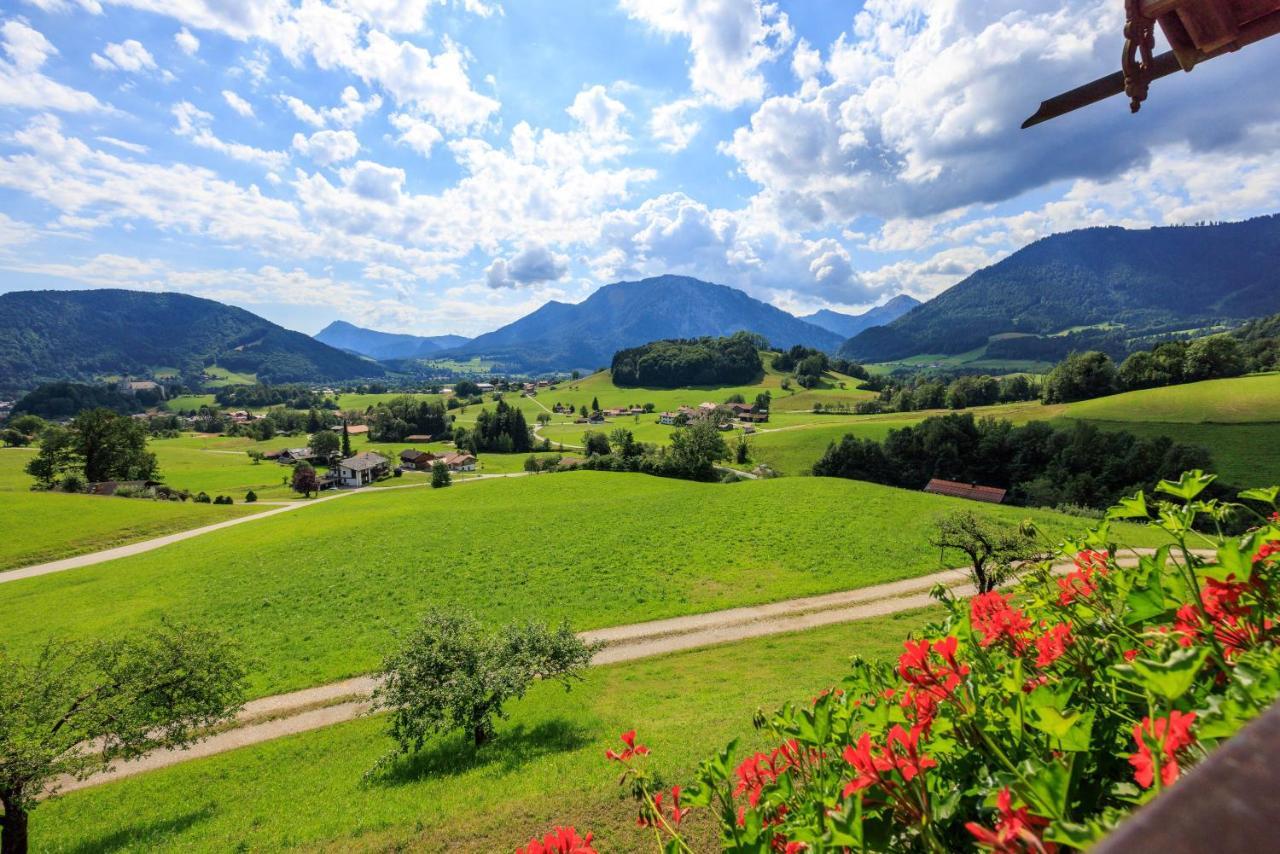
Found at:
(690, 362)
(559, 336)
(83, 335)
(1158, 279)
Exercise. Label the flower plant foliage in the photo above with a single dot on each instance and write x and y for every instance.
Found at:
(1032, 719)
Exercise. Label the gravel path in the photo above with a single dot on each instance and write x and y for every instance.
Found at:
(160, 542)
(274, 717)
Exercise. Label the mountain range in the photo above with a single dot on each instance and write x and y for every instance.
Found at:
(1097, 288)
(585, 335)
(1135, 282)
(86, 335)
(386, 345)
(849, 325)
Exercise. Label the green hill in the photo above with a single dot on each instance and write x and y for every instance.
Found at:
(1084, 284)
(88, 335)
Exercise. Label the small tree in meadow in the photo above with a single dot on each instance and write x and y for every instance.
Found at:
(532, 465)
(72, 709)
(255, 455)
(452, 673)
(993, 548)
(304, 480)
(440, 475)
(250, 497)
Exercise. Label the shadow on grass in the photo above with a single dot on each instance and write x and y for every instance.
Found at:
(151, 833)
(510, 749)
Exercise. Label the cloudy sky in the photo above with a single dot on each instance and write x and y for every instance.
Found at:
(433, 166)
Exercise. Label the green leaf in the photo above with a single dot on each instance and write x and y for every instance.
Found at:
(1134, 507)
(1187, 487)
(1170, 678)
(1145, 598)
(1267, 496)
(1072, 731)
(1235, 557)
(1045, 787)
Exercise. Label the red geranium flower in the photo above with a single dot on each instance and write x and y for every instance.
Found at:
(1079, 583)
(1169, 735)
(632, 749)
(900, 753)
(563, 840)
(998, 622)
(1015, 831)
(930, 668)
(1053, 644)
(756, 772)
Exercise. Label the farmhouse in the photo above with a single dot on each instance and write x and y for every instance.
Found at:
(972, 491)
(668, 418)
(295, 455)
(485, 387)
(364, 468)
(418, 437)
(412, 458)
(755, 417)
(457, 462)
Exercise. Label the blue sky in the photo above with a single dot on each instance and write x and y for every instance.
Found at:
(433, 166)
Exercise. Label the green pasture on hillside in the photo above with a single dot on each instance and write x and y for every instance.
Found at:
(314, 595)
(546, 767)
(1246, 399)
(41, 526)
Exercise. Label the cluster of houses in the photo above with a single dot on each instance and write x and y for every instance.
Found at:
(744, 412)
(532, 389)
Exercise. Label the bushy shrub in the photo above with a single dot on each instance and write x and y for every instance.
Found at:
(1022, 720)
(250, 497)
(201, 497)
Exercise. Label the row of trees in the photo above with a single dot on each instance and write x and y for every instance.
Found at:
(261, 395)
(1093, 374)
(692, 454)
(1041, 465)
(931, 391)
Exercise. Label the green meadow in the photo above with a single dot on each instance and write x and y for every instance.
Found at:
(546, 766)
(314, 595)
(41, 526)
(1237, 400)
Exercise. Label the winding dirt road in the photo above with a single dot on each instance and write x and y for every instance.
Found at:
(282, 715)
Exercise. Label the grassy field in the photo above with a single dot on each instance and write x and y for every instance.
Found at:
(188, 402)
(40, 526)
(1243, 454)
(546, 767)
(1232, 401)
(314, 595)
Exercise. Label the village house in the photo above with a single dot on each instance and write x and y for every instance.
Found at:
(755, 417)
(972, 491)
(294, 455)
(362, 469)
(485, 387)
(457, 462)
(412, 458)
(668, 418)
(418, 437)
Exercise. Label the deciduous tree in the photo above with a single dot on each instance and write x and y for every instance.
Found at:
(75, 708)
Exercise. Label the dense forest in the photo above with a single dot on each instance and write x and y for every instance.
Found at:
(1041, 465)
(290, 396)
(84, 335)
(63, 400)
(409, 416)
(674, 363)
(1158, 279)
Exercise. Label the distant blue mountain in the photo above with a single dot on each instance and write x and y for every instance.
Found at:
(386, 345)
(849, 325)
(559, 336)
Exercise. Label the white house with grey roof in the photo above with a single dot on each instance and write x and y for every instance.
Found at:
(362, 469)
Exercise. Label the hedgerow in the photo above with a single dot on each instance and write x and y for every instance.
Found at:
(1031, 720)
